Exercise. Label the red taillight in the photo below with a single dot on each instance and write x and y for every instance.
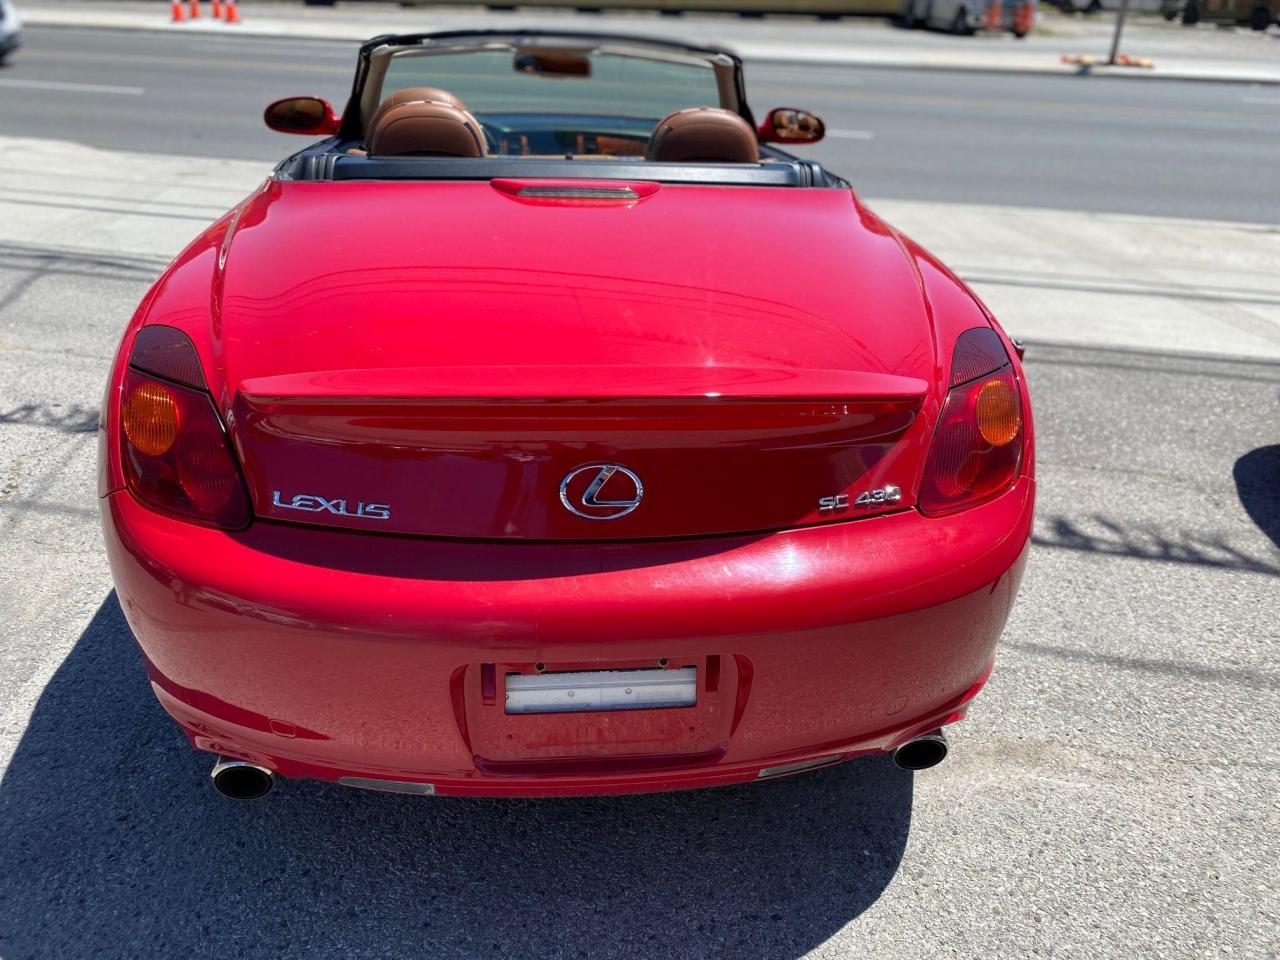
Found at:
(177, 458)
(977, 446)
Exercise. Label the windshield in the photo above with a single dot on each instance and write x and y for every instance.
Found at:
(546, 96)
(509, 80)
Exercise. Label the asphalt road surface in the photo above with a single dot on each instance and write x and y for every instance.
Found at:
(1113, 793)
(1165, 148)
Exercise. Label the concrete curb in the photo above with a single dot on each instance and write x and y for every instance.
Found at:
(760, 52)
(1047, 69)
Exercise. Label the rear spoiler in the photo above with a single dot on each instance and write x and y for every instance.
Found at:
(583, 383)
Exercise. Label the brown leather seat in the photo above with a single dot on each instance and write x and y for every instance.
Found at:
(424, 122)
(703, 135)
(413, 95)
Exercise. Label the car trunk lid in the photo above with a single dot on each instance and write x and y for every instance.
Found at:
(549, 453)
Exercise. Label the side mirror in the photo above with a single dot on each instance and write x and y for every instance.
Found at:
(790, 125)
(309, 116)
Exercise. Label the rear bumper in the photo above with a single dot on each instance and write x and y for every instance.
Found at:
(332, 655)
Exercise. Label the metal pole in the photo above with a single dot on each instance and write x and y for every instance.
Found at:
(1115, 40)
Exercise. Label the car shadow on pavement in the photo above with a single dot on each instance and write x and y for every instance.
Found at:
(1107, 536)
(114, 844)
(1257, 476)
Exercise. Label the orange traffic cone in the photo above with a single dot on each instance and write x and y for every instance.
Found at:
(995, 9)
(216, 10)
(175, 12)
(1024, 19)
(231, 12)
(194, 9)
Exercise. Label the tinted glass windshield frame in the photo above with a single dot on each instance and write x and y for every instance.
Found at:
(353, 118)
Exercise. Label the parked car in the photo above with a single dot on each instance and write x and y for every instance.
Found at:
(1258, 14)
(964, 17)
(10, 29)
(547, 428)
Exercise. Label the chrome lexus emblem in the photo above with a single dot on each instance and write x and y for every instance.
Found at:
(314, 503)
(581, 491)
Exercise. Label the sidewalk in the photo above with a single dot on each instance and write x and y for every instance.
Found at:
(1179, 53)
(1052, 276)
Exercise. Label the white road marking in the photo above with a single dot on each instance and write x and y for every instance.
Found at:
(71, 87)
(1262, 101)
(295, 49)
(851, 134)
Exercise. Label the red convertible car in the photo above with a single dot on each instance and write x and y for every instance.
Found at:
(546, 429)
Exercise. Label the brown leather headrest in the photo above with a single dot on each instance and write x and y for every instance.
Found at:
(703, 135)
(413, 95)
(425, 129)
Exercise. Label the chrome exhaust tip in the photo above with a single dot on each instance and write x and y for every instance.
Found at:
(241, 780)
(925, 751)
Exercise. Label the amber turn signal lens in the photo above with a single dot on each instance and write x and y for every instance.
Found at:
(151, 419)
(999, 413)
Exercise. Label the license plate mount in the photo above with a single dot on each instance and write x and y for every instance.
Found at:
(586, 691)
